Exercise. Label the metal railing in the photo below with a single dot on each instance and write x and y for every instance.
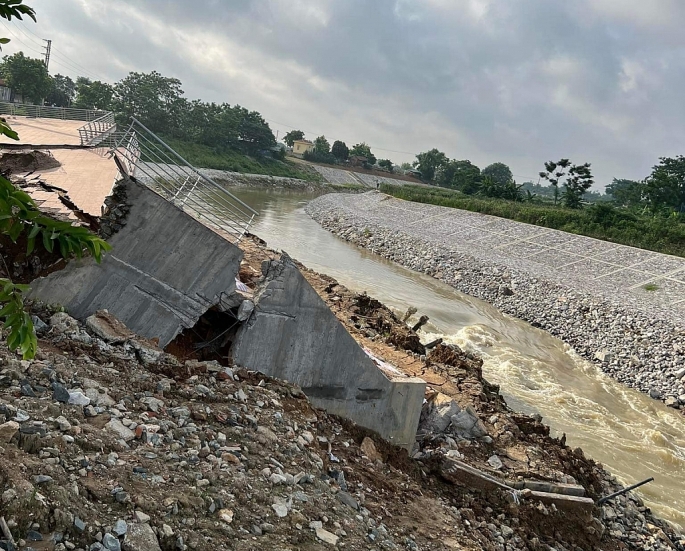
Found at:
(43, 112)
(159, 167)
(94, 132)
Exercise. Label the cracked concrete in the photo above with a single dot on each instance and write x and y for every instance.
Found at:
(165, 270)
(293, 335)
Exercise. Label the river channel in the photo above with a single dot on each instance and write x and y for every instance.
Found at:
(634, 436)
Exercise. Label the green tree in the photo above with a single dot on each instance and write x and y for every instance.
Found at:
(387, 164)
(665, 187)
(291, 137)
(578, 182)
(254, 133)
(93, 94)
(340, 150)
(63, 91)
(27, 76)
(155, 100)
(321, 145)
(429, 162)
(555, 173)
(626, 193)
(461, 175)
(363, 150)
(406, 166)
(499, 173)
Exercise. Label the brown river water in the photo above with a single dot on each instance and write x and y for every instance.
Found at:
(634, 436)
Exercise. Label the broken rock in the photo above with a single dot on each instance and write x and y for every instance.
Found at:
(437, 413)
(326, 536)
(7, 431)
(140, 537)
(116, 427)
(107, 327)
(368, 448)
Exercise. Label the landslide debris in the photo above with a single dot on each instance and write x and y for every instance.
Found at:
(108, 442)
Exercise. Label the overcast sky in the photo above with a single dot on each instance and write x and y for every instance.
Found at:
(517, 81)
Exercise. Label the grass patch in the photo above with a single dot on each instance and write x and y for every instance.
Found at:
(601, 221)
(651, 287)
(203, 156)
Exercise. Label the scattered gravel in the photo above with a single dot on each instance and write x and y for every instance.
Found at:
(635, 342)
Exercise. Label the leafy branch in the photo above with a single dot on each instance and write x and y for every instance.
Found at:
(17, 320)
(20, 215)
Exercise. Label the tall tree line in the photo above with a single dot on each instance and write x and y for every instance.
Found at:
(158, 102)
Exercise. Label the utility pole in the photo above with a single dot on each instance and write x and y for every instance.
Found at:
(47, 49)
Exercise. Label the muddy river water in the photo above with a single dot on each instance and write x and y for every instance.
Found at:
(634, 436)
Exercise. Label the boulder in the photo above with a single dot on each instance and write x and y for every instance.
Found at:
(437, 413)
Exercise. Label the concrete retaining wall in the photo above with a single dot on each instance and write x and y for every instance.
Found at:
(293, 335)
(165, 270)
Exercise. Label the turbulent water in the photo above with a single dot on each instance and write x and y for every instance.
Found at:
(634, 436)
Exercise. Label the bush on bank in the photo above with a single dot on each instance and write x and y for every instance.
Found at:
(663, 234)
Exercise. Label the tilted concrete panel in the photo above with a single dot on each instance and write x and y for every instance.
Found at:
(165, 270)
(293, 335)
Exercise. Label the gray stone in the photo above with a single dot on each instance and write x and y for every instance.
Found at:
(60, 393)
(140, 537)
(42, 479)
(327, 537)
(62, 423)
(466, 424)
(141, 517)
(437, 413)
(111, 543)
(495, 462)
(348, 500)
(120, 528)
(77, 398)
(116, 427)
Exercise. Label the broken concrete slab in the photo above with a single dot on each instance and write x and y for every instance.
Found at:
(293, 335)
(548, 487)
(165, 270)
(107, 327)
(564, 502)
(465, 475)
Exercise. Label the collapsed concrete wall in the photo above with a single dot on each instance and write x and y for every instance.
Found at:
(164, 271)
(293, 335)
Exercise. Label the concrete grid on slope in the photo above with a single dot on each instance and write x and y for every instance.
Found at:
(616, 271)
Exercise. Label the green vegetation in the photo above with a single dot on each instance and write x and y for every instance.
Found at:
(207, 157)
(651, 287)
(19, 214)
(662, 233)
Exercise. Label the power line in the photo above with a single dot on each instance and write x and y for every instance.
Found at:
(48, 48)
(66, 61)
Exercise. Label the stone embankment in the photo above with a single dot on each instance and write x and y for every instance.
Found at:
(639, 345)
